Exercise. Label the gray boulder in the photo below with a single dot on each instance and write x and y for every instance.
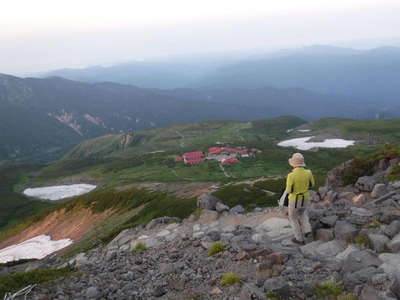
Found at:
(324, 234)
(92, 293)
(163, 220)
(214, 235)
(378, 242)
(238, 209)
(365, 183)
(379, 190)
(329, 250)
(278, 285)
(309, 250)
(360, 277)
(392, 229)
(329, 221)
(220, 207)
(345, 231)
(359, 260)
(207, 201)
(394, 244)
(391, 263)
(369, 293)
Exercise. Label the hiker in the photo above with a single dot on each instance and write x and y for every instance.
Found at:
(298, 183)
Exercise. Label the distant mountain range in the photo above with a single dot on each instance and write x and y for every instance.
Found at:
(370, 75)
(366, 75)
(45, 117)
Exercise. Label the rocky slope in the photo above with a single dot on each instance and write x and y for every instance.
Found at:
(355, 253)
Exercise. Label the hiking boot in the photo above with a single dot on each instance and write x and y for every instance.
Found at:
(296, 241)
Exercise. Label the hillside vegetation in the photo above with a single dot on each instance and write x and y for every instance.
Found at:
(13, 205)
(150, 155)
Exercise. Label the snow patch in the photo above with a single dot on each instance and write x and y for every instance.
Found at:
(59, 191)
(304, 130)
(304, 144)
(35, 248)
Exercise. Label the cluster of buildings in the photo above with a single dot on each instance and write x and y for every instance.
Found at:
(224, 155)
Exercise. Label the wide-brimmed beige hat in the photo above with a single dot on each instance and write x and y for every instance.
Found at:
(297, 160)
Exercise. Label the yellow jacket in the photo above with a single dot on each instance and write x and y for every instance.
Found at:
(298, 182)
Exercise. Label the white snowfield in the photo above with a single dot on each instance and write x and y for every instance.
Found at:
(59, 191)
(303, 144)
(37, 247)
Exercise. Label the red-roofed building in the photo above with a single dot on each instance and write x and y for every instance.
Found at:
(194, 161)
(215, 150)
(193, 157)
(229, 161)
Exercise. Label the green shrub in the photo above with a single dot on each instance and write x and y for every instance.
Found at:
(363, 166)
(373, 224)
(229, 279)
(140, 247)
(394, 174)
(362, 240)
(328, 288)
(347, 297)
(16, 281)
(216, 248)
(273, 296)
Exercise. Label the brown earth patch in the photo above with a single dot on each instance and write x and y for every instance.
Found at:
(60, 225)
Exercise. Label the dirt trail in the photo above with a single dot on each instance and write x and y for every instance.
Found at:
(182, 142)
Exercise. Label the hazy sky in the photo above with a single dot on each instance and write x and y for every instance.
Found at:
(46, 34)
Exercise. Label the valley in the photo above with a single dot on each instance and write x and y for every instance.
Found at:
(144, 164)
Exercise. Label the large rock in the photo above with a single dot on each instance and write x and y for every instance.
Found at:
(359, 260)
(378, 242)
(369, 293)
(365, 183)
(310, 249)
(394, 244)
(238, 209)
(208, 216)
(388, 215)
(92, 293)
(163, 220)
(279, 286)
(207, 201)
(379, 190)
(275, 227)
(330, 249)
(220, 207)
(391, 262)
(324, 234)
(334, 178)
(360, 277)
(392, 229)
(361, 212)
(345, 254)
(329, 221)
(345, 231)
